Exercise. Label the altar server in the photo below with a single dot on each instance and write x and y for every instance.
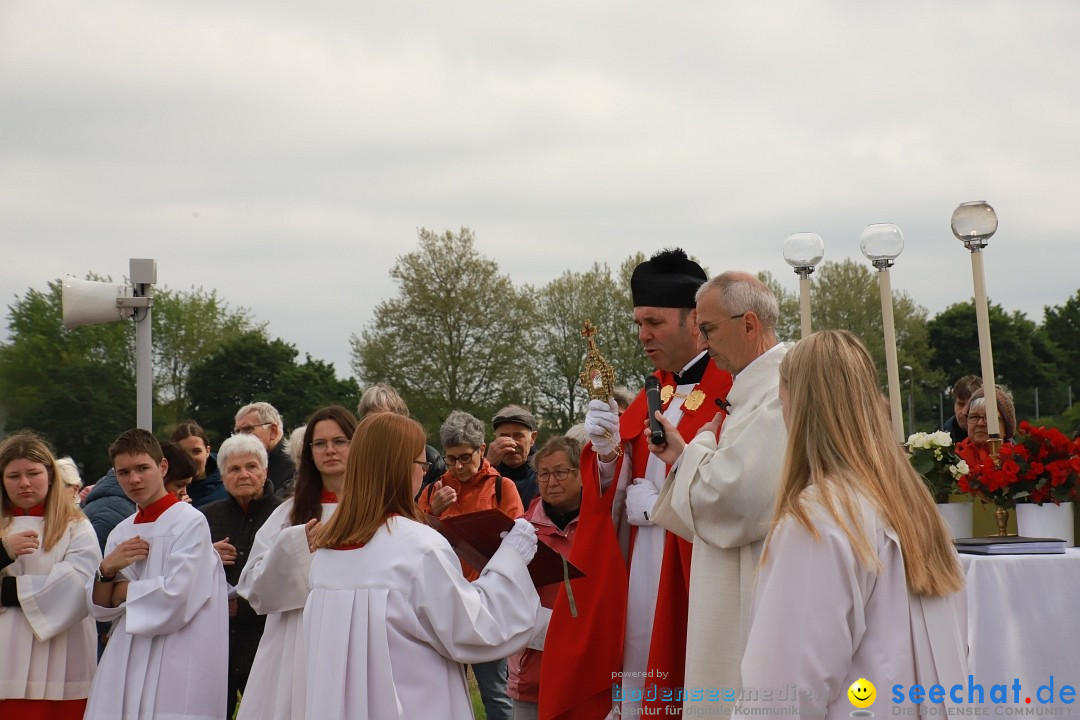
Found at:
(390, 618)
(49, 554)
(275, 579)
(859, 579)
(163, 582)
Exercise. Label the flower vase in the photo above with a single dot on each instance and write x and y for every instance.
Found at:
(957, 517)
(1001, 514)
(1048, 520)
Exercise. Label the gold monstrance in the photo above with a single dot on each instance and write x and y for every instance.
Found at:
(598, 377)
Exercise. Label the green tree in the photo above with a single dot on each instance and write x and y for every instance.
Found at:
(252, 367)
(456, 335)
(75, 387)
(788, 323)
(563, 306)
(189, 325)
(1024, 359)
(845, 295)
(1061, 325)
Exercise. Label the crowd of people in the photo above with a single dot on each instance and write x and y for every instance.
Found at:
(777, 537)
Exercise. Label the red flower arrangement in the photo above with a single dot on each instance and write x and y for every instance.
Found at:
(1041, 465)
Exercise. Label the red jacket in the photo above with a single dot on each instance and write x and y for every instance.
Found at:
(524, 667)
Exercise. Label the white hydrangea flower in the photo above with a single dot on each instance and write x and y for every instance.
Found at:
(941, 439)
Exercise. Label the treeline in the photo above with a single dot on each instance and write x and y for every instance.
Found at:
(460, 334)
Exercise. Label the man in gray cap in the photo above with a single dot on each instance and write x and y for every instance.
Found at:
(512, 449)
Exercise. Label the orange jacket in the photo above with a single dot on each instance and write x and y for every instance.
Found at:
(476, 494)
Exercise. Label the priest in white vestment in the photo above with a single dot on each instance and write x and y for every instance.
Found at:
(390, 619)
(167, 657)
(722, 491)
(859, 580)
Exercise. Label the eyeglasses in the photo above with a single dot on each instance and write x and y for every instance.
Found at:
(320, 446)
(452, 460)
(248, 429)
(560, 475)
(424, 464)
(706, 329)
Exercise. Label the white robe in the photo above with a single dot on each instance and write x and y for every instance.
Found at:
(167, 657)
(49, 645)
(822, 621)
(721, 496)
(275, 582)
(390, 624)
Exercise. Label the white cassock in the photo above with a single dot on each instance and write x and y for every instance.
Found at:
(390, 624)
(721, 496)
(49, 645)
(822, 621)
(275, 582)
(167, 657)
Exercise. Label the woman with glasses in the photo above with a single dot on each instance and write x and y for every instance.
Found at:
(555, 516)
(275, 580)
(390, 619)
(234, 522)
(471, 484)
(858, 578)
(976, 448)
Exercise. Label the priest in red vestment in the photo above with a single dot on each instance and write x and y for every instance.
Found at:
(626, 647)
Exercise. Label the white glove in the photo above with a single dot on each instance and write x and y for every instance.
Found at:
(602, 426)
(640, 497)
(522, 539)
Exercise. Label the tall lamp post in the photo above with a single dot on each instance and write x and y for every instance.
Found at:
(803, 251)
(974, 223)
(86, 302)
(882, 243)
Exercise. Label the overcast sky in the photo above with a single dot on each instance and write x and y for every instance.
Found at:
(285, 153)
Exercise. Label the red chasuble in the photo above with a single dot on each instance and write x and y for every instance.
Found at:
(583, 655)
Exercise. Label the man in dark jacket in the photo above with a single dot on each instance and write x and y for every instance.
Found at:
(510, 451)
(262, 420)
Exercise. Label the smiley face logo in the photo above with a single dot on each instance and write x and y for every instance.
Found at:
(862, 693)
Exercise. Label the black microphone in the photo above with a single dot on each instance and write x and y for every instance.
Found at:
(652, 396)
(724, 405)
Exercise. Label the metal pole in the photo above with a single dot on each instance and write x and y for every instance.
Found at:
(1037, 402)
(911, 400)
(143, 277)
(941, 410)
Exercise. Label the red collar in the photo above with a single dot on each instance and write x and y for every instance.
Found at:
(357, 546)
(327, 497)
(36, 511)
(156, 509)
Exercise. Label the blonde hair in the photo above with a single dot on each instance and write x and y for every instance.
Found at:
(378, 480)
(59, 511)
(840, 440)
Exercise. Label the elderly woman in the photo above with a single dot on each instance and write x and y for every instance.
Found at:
(470, 483)
(275, 580)
(49, 554)
(858, 577)
(234, 523)
(976, 447)
(390, 619)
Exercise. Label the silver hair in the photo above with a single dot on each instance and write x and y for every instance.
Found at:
(267, 413)
(69, 472)
(461, 428)
(381, 396)
(241, 445)
(741, 294)
(294, 444)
